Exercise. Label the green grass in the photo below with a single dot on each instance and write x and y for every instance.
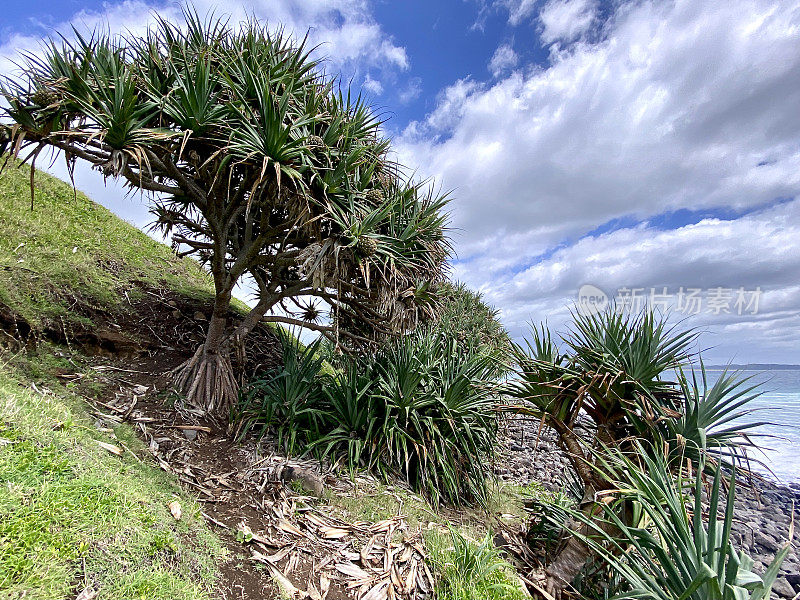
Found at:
(378, 501)
(72, 514)
(467, 569)
(69, 256)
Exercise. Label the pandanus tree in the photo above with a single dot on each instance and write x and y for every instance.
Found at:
(255, 162)
(623, 373)
(670, 552)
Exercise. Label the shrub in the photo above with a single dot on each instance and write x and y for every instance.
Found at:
(464, 315)
(420, 408)
(615, 369)
(287, 401)
(667, 551)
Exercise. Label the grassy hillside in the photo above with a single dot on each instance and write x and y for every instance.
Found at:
(68, 257)
(74, 515)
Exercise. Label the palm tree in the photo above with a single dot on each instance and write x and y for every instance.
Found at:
(256, 163)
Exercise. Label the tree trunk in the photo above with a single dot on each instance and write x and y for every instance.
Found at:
(574, 554)
(207, 379)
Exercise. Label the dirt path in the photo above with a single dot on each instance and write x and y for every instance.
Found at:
(280, 538)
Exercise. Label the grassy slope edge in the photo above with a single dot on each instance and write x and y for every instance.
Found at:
(72, 514)
(69, 256)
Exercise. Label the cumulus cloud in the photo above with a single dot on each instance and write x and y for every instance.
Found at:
(567, 20)
(680, 105)
(724, 259)
(503, 59)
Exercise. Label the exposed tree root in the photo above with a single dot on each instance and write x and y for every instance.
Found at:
(208, 382)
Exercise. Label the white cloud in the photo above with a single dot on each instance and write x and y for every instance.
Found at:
(518, 10)
(503, 59)
(691, 106)
(411, 92)
(681, 105)
(373, 85)
(758, 250)
(567, 20)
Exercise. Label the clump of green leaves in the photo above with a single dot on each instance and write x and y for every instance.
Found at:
(287, 401)
(465, 315)
(667, 550)
(466, 569)
(420, 408)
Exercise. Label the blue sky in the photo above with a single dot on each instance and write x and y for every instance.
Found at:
(444, 41)
(634, 144)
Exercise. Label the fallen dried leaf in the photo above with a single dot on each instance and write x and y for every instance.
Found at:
(365, 551)
(333, 533)
(116, 450)
(288, 589)
(324, 585)
(411, 578)
(286, 526)
(192, 428)
(273, 558)
(291, 564)
(317, 520)
(313, 592)
(352, 570)
(378, 592)
(88, 593)
(382, 526)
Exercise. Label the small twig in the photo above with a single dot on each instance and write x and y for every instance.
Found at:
(192, 428)
(214, 521)
(112, 368)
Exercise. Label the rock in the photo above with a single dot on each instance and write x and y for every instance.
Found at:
(199, 316)
(190, 434)
(783, 588)
(309, 480)
(767, 541)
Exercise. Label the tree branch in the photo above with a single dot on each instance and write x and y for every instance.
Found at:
(314, 327)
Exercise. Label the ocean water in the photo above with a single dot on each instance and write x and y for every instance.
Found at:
(780, 405)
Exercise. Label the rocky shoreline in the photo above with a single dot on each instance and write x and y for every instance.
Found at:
(764, 513)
